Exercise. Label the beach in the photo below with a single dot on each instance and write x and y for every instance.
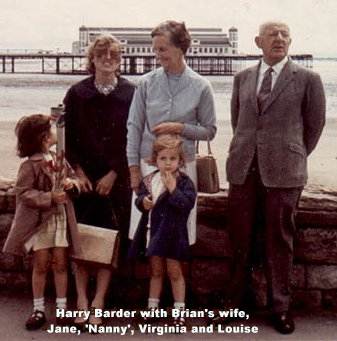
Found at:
(24, 94)
(322, 163)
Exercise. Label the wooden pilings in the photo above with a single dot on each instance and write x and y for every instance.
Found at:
(131, 64)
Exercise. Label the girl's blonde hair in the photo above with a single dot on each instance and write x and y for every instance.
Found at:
(167, 141)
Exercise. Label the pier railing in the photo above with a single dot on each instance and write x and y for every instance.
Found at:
(69, 64)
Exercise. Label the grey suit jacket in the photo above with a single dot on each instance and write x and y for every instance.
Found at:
(283, 133)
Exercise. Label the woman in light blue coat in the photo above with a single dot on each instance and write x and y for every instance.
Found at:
(172, 99)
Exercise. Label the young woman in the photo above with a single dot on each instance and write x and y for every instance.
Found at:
(96, 112)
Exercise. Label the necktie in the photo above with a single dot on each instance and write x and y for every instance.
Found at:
(265, 89)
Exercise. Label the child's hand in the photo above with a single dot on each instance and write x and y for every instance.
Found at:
(147, 203)
(169, 181)
(59, 197)
(68, 184)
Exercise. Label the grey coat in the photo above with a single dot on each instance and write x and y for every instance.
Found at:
(283, 134)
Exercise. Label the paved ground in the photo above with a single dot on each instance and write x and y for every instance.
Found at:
(14, 309)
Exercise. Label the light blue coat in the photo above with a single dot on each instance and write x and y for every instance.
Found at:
(192, 103)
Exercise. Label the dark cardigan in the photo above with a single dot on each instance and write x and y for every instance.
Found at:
(168, 236)
(96, 128)
(96, 140)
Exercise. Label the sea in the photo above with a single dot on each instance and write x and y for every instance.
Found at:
(24, 94)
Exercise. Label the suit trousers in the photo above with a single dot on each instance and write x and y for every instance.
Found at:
(275, 209)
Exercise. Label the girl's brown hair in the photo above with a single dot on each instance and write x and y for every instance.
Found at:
(100, 46)
(31, 131)
(167, 141)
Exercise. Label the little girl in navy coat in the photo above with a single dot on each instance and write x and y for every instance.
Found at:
(166, 198)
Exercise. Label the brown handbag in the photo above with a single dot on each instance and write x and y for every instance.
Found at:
(207, 171)
(98, 245)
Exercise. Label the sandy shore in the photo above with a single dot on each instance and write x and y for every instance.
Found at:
(322, 162)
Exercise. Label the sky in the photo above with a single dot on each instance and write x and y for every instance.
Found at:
(54, 24)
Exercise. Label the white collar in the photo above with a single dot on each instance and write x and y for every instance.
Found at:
(47, 156)
(105, 89)
(277, 68)
(157, 186)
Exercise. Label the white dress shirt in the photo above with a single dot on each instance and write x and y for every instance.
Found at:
(277, 68)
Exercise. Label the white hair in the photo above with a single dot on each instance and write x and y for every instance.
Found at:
(263, 27)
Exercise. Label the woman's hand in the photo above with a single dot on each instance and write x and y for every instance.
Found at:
(168, 128)
(105, 184)
(85, 183)
(169, 181)
(135, 177)
(147, 203)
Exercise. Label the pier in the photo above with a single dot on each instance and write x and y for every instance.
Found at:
(69, 64)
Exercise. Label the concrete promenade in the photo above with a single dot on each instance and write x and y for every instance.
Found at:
(15, 308)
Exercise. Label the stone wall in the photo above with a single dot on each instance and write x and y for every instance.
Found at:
(315, 265)
(315, 269)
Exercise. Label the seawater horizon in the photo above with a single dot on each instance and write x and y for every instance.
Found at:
(22, 94)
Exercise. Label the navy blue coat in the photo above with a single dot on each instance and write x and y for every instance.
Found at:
(168, 233)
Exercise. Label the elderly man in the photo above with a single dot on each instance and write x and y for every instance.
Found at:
(277, 115)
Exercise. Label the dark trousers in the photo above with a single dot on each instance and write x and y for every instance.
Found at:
(271, 211)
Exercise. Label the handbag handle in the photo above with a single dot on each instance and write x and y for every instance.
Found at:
(209, 151)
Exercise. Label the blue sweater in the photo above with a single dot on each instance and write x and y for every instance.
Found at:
(192, 104)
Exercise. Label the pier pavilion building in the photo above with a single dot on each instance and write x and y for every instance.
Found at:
(137, 40)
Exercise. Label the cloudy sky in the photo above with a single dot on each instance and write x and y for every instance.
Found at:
(53, 24)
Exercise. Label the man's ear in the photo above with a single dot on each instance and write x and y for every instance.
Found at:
(258, 41)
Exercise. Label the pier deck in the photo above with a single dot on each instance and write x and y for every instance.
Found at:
(69, 64)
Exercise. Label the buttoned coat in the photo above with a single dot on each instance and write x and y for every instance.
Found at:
(34, 205)
(96, 128)
(191, 103)
(169, 215)
(283, 133)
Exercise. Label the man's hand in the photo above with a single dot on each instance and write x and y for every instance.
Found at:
(135, 177)
(105, 184)
(168, 128)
